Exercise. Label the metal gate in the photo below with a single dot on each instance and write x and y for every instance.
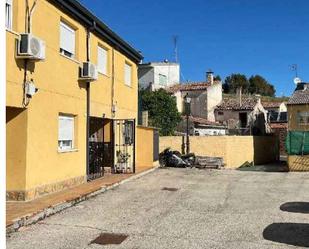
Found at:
(124, 150)
(100, 150)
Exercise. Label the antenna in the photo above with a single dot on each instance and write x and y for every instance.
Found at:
(175, 40)
(294, 68)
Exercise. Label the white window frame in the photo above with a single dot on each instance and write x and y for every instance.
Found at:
(66, 51)
(162, 76)
(9, 14)
(61, 146)
(128, 74)
(102, 61)
(304, 116)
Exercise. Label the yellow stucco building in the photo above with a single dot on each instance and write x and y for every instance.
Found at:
(51, 103)
(298, 126)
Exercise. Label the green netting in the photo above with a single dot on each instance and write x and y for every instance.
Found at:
(297, 143)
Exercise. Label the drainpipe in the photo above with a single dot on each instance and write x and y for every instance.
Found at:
(88, 99)
(28, 26)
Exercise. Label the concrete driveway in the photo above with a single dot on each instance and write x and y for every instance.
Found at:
(198, 209)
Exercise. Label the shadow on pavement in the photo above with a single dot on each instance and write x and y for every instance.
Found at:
(295, 207)
(296, 234)
(272, 167)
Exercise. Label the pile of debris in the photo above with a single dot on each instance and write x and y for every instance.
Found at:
(170, 158)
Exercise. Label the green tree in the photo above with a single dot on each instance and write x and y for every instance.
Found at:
(234, 81)
(217, 77)
(162, 110)
(259, 85)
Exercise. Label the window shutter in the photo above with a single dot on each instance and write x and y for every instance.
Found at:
(8, 14)
(66, 128)
(67, 38)
(127, 74)
(102, 60)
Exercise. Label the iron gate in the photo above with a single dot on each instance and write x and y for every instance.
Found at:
(124, 150)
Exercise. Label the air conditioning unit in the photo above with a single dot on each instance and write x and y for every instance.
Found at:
(30, 47)
(88, 72)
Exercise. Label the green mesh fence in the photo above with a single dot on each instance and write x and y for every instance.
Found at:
(297, 143)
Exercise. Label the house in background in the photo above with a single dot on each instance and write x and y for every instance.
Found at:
(156, 75)
(298, 129)
(204, 96)
(276, 111)
(243, 115)
(277, 119)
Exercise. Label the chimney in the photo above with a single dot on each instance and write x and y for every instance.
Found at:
(210, 76)
(238, 95)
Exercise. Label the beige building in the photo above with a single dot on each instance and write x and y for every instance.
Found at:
(244, 115)
(204, 97)
(298, 129)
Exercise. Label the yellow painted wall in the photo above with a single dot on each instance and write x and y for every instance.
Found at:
(297, 163)
(235, 150)
(61, 92)
(292, 117)
(16, 143)
(144, 145)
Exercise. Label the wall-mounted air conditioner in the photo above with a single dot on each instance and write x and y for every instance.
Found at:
(30, 47)
(88, 72)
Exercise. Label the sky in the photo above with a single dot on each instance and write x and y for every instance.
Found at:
(228, 36)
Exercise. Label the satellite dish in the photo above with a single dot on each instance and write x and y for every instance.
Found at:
(297, 80)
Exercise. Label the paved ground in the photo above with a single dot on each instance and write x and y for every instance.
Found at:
(210, 209)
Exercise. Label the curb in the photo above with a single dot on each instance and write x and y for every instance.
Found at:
(33, 218)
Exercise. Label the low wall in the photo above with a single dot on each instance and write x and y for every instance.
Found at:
(298, 163)
(235, 150)
(144, 147)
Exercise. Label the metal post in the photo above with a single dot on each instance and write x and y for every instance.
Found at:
(187, 110)
(188, 142)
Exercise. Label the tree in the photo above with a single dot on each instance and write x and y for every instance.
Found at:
(217, 78)
(259, 85)
(234, 81)
(162, 110)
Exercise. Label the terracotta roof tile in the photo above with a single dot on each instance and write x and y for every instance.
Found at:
(192, 86)
(233, 104)
(200, 120)
(271, 104)
(300, 97)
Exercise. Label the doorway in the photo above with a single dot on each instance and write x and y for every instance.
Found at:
(100, 147)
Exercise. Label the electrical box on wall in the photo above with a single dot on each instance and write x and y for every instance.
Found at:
(30, 89)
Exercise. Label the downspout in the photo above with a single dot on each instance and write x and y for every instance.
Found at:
(88, 99)
(28, 26)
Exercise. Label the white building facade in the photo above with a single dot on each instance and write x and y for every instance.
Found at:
(156, 75)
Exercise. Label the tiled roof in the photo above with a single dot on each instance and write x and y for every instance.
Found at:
(299, 97)
(271, 104)
(201, 121)
(190, 86)
(233, 104)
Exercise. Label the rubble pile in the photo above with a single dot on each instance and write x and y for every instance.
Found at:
(170, 158)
